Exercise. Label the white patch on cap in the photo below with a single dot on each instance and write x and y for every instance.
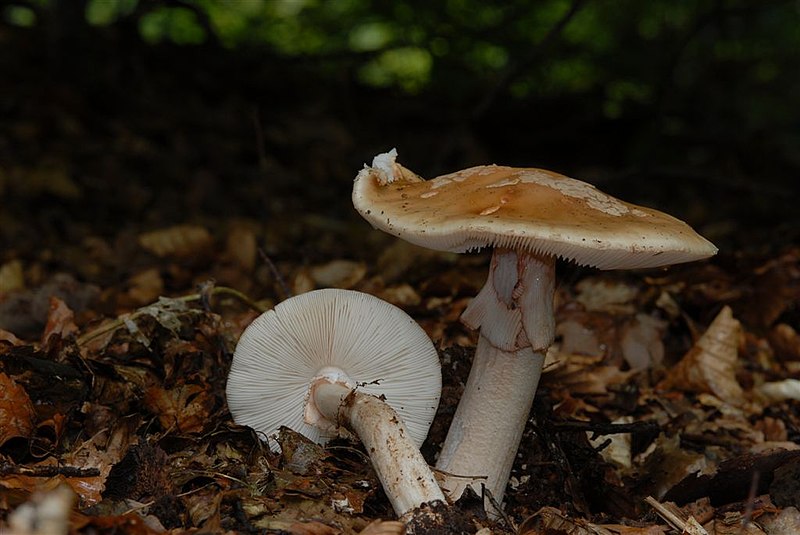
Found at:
(581, 190)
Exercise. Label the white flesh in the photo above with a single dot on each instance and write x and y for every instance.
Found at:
(487, 427)
(406, 478)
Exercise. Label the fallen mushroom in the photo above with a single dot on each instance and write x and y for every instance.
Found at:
(530, 217)
(319, 361)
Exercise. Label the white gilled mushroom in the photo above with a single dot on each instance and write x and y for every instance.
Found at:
(530, 217)
(319, 359)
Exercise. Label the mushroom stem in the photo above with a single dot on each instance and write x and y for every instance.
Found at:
(406, 478)
(514, 311)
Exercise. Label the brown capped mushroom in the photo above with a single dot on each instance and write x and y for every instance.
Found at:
(530, 217)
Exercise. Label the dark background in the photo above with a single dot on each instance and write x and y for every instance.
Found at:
(119, 116)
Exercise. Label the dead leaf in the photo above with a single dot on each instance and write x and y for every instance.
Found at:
(11, 277)
(641, 342)
(16, 410)
(241, 247)
(710, 365)
(338, 273)
(179, 241)
(550, 520)
(144, 287)
(311, 528)
(785, 341)
(602, 295)
(60, 320)
(6, 336)
(384, 527)
(185, 407)
(786, 522)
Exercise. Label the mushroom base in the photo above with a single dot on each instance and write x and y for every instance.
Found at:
(482, 441)
(406, 478)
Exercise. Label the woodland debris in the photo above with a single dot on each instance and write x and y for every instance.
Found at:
(179, 241)
(710, 365)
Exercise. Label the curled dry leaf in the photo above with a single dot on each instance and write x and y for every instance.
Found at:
(709, 366)
(16, 410)
(179, 241)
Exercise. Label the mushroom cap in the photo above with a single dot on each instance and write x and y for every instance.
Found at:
(379, 348)
(522, 208)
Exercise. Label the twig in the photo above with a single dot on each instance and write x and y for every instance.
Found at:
(287, 293)
(47, 471)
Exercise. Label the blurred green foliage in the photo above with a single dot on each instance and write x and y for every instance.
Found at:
(628, 53)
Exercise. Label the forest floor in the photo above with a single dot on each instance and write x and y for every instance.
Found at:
(669, 403)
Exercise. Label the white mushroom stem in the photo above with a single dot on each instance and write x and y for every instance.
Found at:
(406, 478)
(514, 311)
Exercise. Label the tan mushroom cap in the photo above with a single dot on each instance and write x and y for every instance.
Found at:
(519, 208)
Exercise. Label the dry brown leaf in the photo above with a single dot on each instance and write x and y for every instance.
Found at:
(241, 247)
(641, 342)
(312, 528)
(60, 320)
(6, 336)
(185, 407)
(338, 274)
(144, 287)
(603, 295)
(785, 341)
(16, 410)
(709, 366)
(584, 375)
(179, 241)
(402, 295)
(384, 527)
(786, 522)
(11, 277)
(551, 520)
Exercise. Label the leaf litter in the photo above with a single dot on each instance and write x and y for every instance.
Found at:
(669, 402)
(627, 437)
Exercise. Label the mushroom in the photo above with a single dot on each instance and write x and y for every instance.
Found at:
(321, 359)
(530, 217)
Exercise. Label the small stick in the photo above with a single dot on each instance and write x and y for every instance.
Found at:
(287, 293)
(47, 471)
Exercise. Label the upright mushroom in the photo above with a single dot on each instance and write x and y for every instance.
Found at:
(530, 217)
(320, 359)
